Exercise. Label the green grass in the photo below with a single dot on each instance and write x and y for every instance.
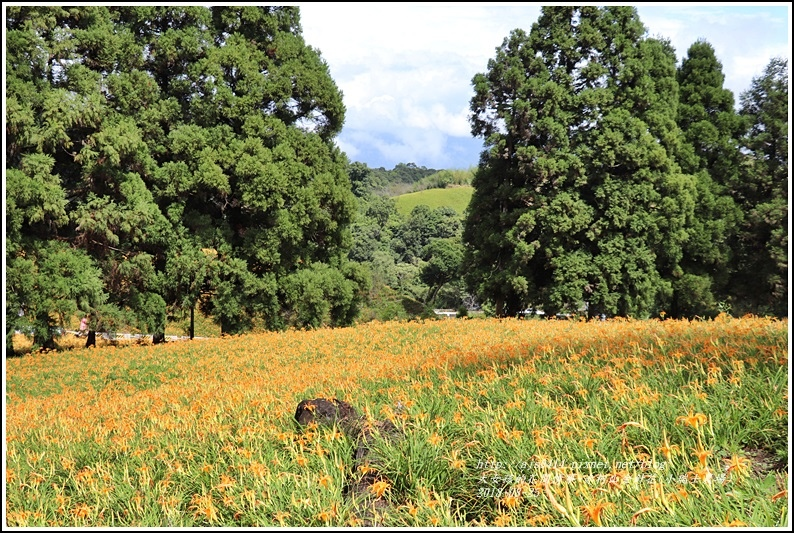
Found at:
(455, 197)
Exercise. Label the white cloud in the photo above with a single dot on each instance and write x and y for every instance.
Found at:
(350, 149)
(405, 69)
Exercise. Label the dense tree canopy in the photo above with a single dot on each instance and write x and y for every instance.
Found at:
(578, 197)
(760, 282)
(712, 129)
(613, 181)
(176, 155)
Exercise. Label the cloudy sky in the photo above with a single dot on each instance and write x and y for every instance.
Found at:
(406, 69)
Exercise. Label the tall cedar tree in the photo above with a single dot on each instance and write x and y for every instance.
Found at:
(760, 281)
(176, 155)
(578, 197)
(713, 130)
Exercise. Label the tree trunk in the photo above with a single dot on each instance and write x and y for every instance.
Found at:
(500, 307)
(10, 344)
(91, 340)
(192, 321)
(42, 336)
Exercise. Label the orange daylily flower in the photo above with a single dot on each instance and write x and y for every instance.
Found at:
(379, 488)
(642, 511)
(510, 501)
(739, 466)
(702, 455)
(666, 448)
(280, 516)
(733, 523)
(594, 511)
(693, 419)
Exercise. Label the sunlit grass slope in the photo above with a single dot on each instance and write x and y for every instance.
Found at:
(455, 197)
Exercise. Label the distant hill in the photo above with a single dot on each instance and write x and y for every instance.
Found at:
(455, 197)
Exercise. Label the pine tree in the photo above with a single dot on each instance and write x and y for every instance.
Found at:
(712, 130)
(760, 280)
(578, 197)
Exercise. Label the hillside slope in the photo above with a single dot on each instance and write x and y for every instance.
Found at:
(455, 197)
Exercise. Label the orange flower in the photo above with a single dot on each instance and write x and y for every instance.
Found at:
(169, 502)
(379, 488)
(642, 511)
(280, 516)
(700, 473)
(202, 505)
(702, 455)
(739, 466)
(542, 519)
(510, 500)
(81, 511)
(435, 439)
(666, 448)
(258, 469)
(325, 481)
(541, 441)
(412, 509)
(502, 520)
(458, 464)
(365, 469)
(733, 523)
(695, 420)
(225, 483)
(594, 511)
(678, 495)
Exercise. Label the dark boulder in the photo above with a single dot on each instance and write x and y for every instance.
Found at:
(325, 412)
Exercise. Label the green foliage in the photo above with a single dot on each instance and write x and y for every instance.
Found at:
(445, 178)
(711, 129)
(392, 248)
(444, 257)
(323, 295)
(187, 151)
(422, 225)
(401, 179)
(760, 280)
(46, 284)
(578, 197)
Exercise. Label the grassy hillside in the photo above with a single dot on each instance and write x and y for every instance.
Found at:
(455, 197)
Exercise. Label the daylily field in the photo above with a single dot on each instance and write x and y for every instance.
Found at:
(505, 422)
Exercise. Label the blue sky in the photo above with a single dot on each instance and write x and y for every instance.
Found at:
(406, 69)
